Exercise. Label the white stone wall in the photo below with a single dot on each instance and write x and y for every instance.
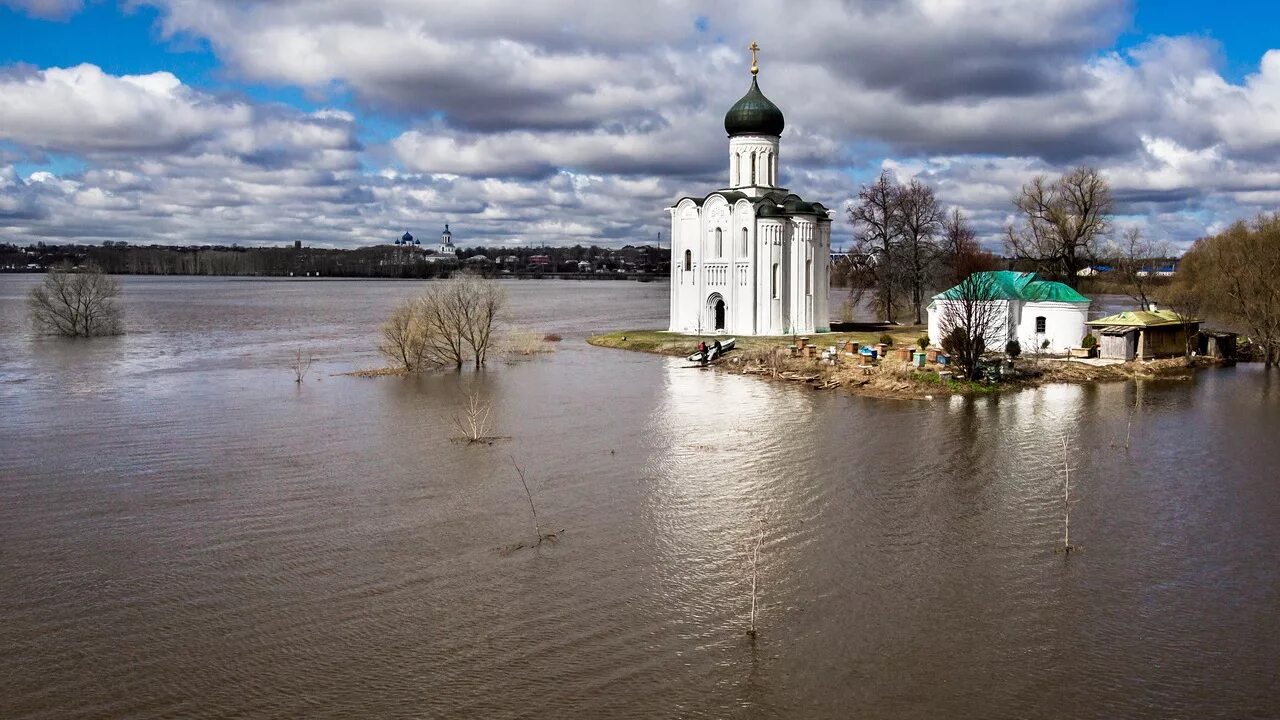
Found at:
(1064, 325)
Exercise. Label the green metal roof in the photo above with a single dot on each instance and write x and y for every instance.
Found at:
(1025, 286)
(1141, 318)
(754, 114)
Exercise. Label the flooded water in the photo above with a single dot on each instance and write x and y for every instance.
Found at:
(184, 532)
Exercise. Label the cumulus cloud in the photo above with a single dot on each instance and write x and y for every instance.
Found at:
(83, 109)
(566, 120)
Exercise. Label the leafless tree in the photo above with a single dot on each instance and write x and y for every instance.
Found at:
(484, 301)
(461, 313)
(1063, 221)
(300, 364)
(921, 221)
(1186, 306)
(451, 323)
(1133, 259)
(1233, 275)
(876, 250)
(76, 303)
(442, 313)
(404, 338)
(473, 420)
(959, 251)
(972, 315)
(753, 567)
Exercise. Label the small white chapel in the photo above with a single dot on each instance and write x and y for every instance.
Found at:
(751, 258)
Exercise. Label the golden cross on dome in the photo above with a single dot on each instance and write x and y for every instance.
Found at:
(754, 48)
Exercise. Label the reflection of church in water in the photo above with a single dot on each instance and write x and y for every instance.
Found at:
(752, 258)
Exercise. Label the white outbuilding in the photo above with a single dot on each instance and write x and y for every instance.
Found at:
(1031, 310)
(751, 258)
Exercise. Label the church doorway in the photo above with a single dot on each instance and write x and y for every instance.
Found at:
(718, 311)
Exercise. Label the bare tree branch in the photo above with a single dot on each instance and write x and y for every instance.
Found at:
(1062, 222)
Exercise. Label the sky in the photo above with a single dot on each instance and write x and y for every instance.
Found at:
(344, 123)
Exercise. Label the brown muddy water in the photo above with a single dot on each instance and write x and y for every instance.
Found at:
(184, 533)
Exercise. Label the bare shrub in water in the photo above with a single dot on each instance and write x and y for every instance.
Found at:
(403, 338)
(473, 420)
(76, 303)
(524, 343)
(300, 364)
(451, 323)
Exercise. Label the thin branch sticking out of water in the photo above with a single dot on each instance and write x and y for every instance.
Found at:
(1067, 547)
(753, 562)
(300, 364)
(533, 510)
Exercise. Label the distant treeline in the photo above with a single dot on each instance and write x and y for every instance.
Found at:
(383, 261)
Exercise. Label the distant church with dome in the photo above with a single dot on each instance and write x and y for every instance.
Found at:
(751, 258)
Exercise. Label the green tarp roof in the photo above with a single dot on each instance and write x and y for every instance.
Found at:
(1011, 285)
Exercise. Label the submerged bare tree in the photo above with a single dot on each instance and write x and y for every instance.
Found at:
(451, 323)
(483, 303)
(300, 364)
(473, 420)
(1063, 221)
(972, 315)
(403, 337)
(76, 303)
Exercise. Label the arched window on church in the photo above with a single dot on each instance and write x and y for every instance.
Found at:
(753, 169)
(719, 243)
(808, 277)
(688, 260)
(742, 251)
(773, 284)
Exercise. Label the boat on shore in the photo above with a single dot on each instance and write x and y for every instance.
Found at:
(725, 346)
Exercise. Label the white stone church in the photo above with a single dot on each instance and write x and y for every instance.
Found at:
(751, 258)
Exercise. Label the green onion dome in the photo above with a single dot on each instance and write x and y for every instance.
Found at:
(754, 114)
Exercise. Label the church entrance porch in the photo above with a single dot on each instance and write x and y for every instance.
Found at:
(717, 312)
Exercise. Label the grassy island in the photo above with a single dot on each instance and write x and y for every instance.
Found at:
(772, 358)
